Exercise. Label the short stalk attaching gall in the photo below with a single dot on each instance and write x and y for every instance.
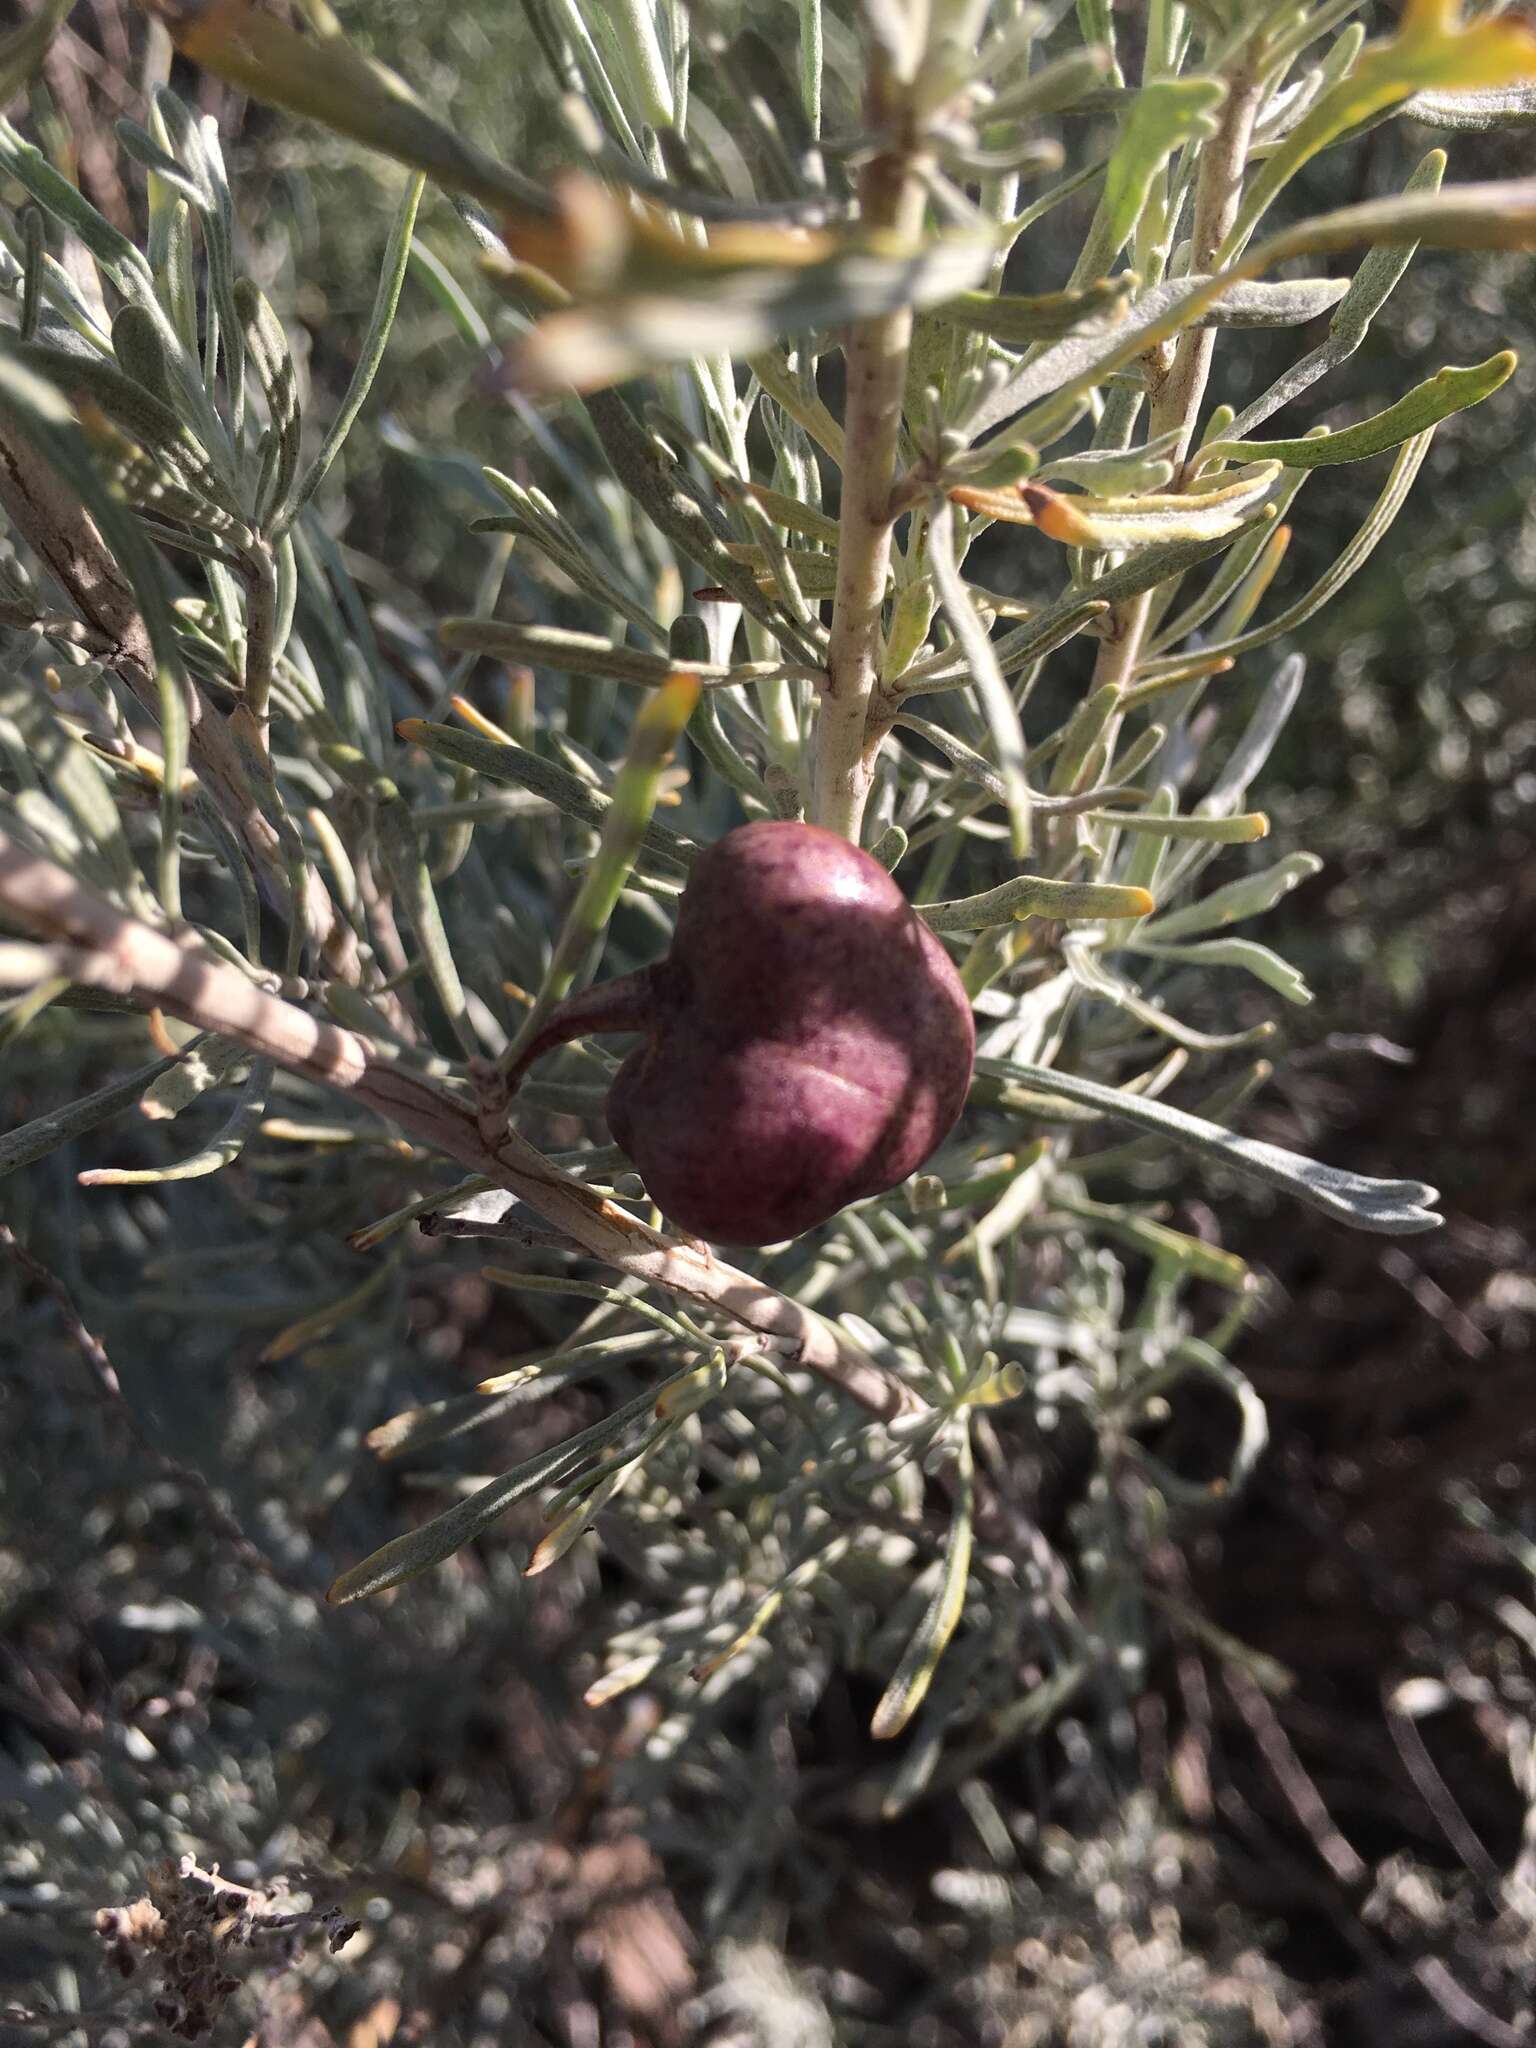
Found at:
(807, 1041)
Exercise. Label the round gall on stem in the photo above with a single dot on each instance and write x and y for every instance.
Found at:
(807, 1041)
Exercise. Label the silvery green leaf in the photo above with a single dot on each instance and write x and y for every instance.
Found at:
(1059, 622)
(1234, 573)
(535, 517)
(138, 342)
(406, 859)
(1036, 896)
(1260, 961)
(1262, 302)
(557, 785)
(326, 79)
(1247, 758)
(438, 1539)
(29, 1142)
(585, 654)
(1249, 897)
(628, 29)
(23, 50)
(57, 196)
(1220, 1106)
(1169, 671)
(1100, 346)
(1143, 853)
(1193, 1355)
(274, 366)
(145, 151)
(996, 699)
(1499, 214)
(737, 312)
(1394, 1207)
(226, 1145)
(673, 502)
(1448, 391)
(1054, 86)
(1095, 976)
(1104, 343)
(1143, 569)
(914, 1673)
(1498, 106)
(1113, 472)
(81, 787)
(1163, 116)
(206, 1062)
(1152, 519)
(380, 322)
(1241, 829)
(1036, 316)
(154, 422)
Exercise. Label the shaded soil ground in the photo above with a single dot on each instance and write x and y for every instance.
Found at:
(1400, 1377)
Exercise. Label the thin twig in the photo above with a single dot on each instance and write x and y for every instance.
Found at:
(1460, 2007)
(891, 197)
(96, 945)
(1290, 1774)
(1438, 1797)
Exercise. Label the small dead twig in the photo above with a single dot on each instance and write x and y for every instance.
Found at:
(1290, 1774)
(1460, 2007)
(1437, 1796)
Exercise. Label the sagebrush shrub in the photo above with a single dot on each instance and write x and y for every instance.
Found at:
(803, 510)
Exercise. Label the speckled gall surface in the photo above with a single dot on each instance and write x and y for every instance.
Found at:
(809, 1042)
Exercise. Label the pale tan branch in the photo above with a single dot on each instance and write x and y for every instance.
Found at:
(892, 197)
(96, 945)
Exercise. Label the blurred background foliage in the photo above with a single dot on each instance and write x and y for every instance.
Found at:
(1319, 1859)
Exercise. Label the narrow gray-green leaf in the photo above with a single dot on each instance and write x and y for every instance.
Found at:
(23, 50)
(736, 312)
(996, 698)
(919, 1661)
(1393, 1207)
(556, 785)
(583, 654)
(1168, 672)
(32, 1141)
(1253, 748)
(1036, 316)
(1259, 961)
(225, 1146)
(420, 1549)
(1450, 390)
(325, 79)
(1164, 115)
(375, 341)
(411, 873)
(1382, 266)
(1251, 896)
(1036, 896)
(1496, 106)
(1230, 830)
